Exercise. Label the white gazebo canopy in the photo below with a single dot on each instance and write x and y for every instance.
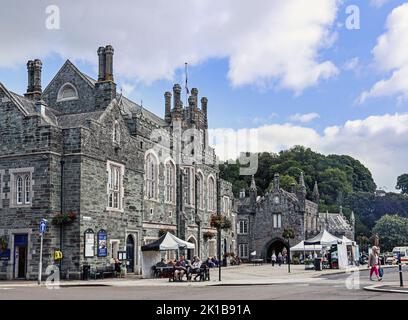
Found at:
(302, 247)
(324, 238)
(347, 241)
(168, 242)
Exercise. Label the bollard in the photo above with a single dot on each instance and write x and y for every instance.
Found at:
(400, 270)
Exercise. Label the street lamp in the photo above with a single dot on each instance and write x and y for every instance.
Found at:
(288, 234)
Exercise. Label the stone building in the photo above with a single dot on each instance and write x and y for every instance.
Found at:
(124, 174)
(261, 220)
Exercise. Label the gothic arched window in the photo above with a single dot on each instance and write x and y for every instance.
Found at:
(200, 190)
(170, 182)
(151, 176)
(211, 194)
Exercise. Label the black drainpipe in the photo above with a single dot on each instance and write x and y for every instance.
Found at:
(61, 209)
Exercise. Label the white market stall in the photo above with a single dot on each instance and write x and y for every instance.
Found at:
(354, 250)
(326, 240)
(301, 247)
(151, 252)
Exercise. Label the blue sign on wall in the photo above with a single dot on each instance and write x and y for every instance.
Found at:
(5, 254)
(102, 243)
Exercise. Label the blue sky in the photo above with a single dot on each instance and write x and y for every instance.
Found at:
(233, 60)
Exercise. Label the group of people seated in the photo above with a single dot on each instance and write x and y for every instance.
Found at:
(183, 267)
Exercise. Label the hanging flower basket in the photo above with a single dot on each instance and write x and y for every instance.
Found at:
(220, 221)
(62, 219)
(3, 243)
(208, 235)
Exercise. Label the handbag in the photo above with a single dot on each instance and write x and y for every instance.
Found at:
(380, 272)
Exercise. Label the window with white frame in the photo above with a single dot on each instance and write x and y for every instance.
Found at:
(243, 227)
(151, 176)
(189, 182)
(200, 190)
(277, 220)
(67, 92)
(21, 187)
(170, 177)
(115, 186)
(211, 194)
(116, 132)
(243, 250)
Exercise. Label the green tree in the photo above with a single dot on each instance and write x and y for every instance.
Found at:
(392, 230)
(402, 183)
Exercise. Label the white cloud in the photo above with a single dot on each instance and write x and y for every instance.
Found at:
(267, 42)
(379, 142)
(378, 3)
(304, 118)
(352, 64)
(391, 56)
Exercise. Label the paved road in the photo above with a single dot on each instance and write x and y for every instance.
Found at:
(327, 287)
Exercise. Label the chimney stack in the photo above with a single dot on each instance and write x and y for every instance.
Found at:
(177, 97)
(204, 102)
(167, 106)
(109, 63)
(34, 89)
(105, 87)
(102, 63)
(194, 94)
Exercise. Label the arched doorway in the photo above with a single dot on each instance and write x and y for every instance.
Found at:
(192, 252)
(277, 246)
(130, 253)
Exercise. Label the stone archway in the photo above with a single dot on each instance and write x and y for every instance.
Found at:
(192, 252)
(275, 245)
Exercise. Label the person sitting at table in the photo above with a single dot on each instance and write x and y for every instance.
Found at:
(180, 269)
(162, 263)
(215, 261)
(209, 262)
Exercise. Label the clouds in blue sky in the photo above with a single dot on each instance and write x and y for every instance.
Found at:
(380, 142)
(391, 56)
(261, 39)
(287, 70)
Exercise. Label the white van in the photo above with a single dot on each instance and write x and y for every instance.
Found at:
(403, 252)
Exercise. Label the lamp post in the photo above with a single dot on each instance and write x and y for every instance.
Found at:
(218, 186)
(288, 234)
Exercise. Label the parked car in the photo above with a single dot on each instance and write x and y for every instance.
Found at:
(403, 251)
(363, 258)
(389, 258)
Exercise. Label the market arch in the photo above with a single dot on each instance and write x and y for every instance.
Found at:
(277, 245)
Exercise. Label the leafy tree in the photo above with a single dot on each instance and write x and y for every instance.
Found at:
(392, 230)
(402, 183)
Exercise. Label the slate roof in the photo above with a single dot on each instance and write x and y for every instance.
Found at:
(27, 104)
(336, 221)
(78, 119)
(130, 107)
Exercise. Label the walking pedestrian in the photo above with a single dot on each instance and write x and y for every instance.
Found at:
(273, 258)
(280, 258)
(373, 263)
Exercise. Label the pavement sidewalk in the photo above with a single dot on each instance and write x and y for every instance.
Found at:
(387, 287)
(232, 276)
